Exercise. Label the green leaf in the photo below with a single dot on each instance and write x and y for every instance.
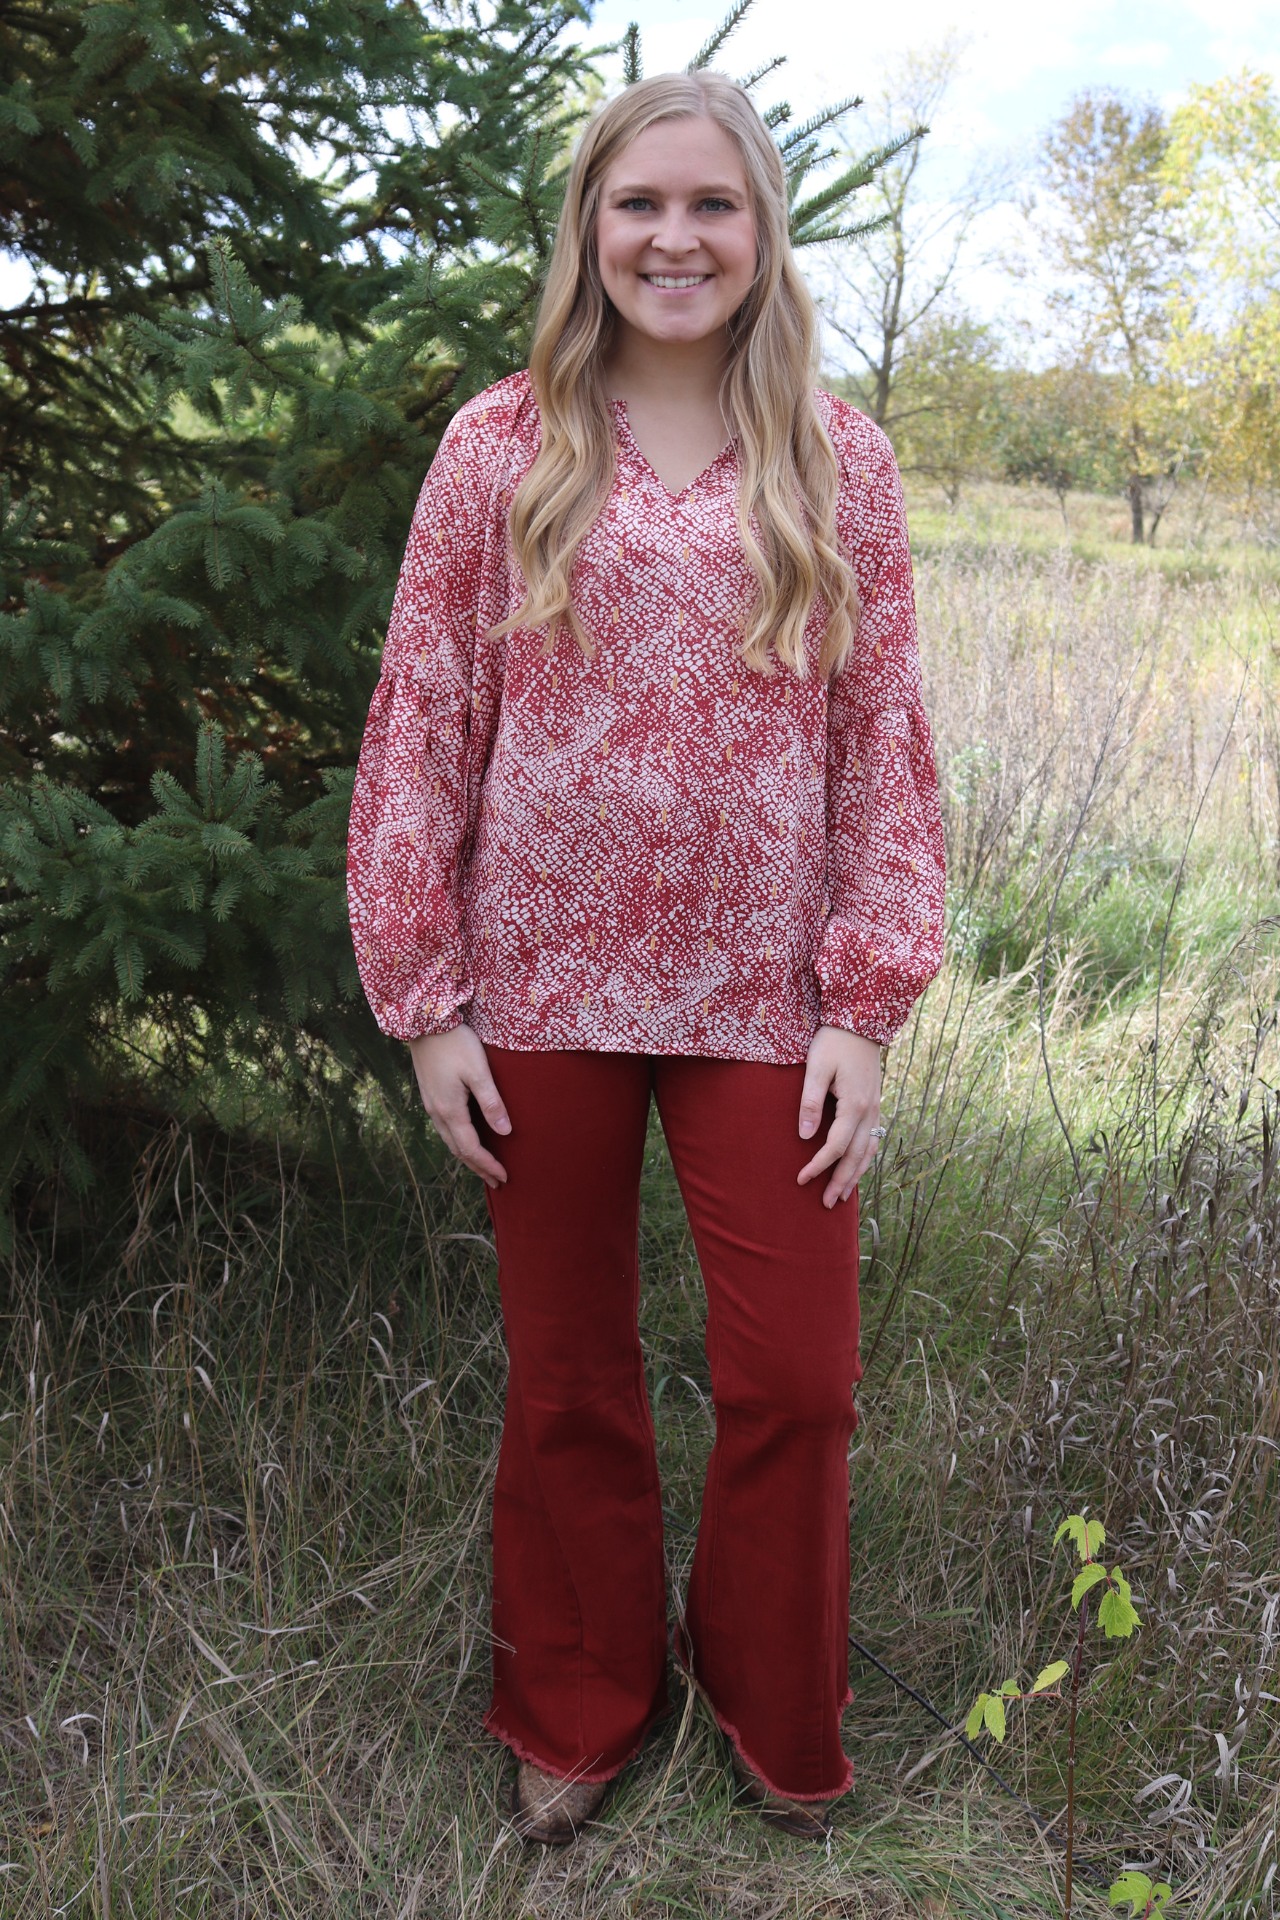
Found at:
(1144, 1897)
(973, 1725)
(993, 1714)
(1087, 1535)
(1129, 1889)
(1117, 1615)
(1011, 1687)
(1051, 1676)
(1086, 1578)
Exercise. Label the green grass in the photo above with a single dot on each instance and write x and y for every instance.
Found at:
(1197, 541)
(252, 1398)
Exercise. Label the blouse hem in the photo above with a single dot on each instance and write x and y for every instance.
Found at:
(563, 1037)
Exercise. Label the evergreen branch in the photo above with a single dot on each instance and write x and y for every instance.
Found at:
(877, 158)
(827, 117)
(728, 26)
(834, 194)
(758, 74)
(632, 68)
(821, 236)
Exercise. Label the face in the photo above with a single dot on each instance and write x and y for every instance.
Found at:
(675, 234)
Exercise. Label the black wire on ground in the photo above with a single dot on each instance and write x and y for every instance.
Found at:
(1045, 1827)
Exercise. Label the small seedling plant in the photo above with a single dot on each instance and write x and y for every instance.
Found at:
(1118, 1617)
(1144, 1898)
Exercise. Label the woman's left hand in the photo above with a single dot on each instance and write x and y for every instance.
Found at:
(849, 1067)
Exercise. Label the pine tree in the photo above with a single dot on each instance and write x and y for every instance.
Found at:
(272, 252)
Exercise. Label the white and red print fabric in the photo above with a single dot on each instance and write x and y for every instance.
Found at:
(654, 850)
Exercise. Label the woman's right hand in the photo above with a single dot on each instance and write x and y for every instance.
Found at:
(450, 1066)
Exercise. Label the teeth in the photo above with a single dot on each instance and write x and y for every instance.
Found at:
(670, 280)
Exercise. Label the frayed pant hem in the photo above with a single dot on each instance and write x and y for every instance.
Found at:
(591, 1775)
(682, 1649)
(734, 1738)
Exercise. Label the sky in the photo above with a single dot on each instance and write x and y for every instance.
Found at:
(1025, 61)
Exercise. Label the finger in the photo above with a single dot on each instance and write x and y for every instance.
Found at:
(463, 1142)
(812, 1099)
(489, 1101)
(473, 1154)
(851, 1166)
(839, 1135)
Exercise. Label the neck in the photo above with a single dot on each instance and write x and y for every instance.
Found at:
(680, 373)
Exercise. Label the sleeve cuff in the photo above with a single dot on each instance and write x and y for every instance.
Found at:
(869, 1020)
(867, 992)
(417, 1018)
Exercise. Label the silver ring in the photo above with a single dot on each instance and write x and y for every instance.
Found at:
(878, 1133)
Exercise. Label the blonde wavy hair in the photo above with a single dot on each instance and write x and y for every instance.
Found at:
(789, 474)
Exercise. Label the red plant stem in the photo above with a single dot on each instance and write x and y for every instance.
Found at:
(1071, 1754)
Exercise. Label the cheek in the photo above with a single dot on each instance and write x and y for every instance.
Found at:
(746, 272)
(745, 254)
(611, 248)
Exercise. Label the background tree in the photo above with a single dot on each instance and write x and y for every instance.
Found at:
(1223, 163)
(219, 402)
(1058, 428)
(947, 401)
(887, 283)
(1110, 226)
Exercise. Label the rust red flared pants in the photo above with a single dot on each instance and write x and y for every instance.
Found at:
(579, 1600)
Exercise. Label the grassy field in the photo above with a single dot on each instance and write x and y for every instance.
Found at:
(249, 1421)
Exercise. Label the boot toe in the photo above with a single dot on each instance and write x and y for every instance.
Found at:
(550, 1811)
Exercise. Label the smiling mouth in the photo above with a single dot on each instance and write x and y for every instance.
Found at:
(675, 280)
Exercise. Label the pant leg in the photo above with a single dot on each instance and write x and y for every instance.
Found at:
(579, 1594)
(768, 1605)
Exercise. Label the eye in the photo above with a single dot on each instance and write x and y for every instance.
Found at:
(713, 205)
(636, 203)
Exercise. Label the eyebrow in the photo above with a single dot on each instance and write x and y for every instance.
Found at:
(718, 189)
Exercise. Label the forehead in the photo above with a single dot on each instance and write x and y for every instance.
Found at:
(686, 155)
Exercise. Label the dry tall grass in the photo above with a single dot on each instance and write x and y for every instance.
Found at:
(248, 1433)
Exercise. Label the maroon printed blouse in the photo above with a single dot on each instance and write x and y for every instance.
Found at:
(657, 849)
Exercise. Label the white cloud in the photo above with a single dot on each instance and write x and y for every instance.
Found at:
(1255, 18)
(1231, 55)
(1138, 53)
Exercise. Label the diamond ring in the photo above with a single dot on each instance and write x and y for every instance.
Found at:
(878, 1133)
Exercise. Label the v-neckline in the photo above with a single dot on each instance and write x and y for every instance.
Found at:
(623, 422)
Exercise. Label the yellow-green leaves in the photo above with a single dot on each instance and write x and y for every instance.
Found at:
(1224, 159)
(988, 1711)
(1088, 1535)
(1087, 1578)
(1051, 1676)
(1144, 1898)
(1117, 1615)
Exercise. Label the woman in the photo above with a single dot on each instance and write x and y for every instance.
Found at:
(647, 806)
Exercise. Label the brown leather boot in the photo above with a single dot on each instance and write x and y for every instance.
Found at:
(806, 1819)
(549, 1811)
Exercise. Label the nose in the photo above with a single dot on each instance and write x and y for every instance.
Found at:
(674, 234)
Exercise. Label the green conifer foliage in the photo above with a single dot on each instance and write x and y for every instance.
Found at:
(216, 407)
(272, 250)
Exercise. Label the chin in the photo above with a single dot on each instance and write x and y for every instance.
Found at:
(680, 323)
